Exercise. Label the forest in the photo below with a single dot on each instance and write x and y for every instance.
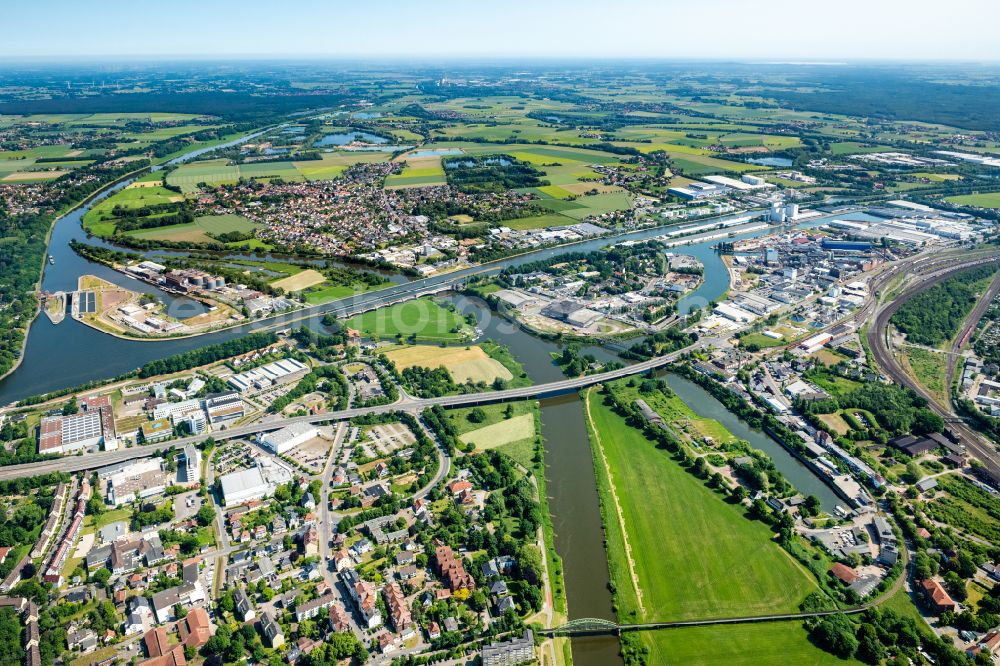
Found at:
(935, 315)
(491, 173)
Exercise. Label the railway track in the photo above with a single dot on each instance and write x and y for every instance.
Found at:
(882, 353)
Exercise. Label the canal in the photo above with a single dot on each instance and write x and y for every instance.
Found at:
(70, 353)
(705, 405)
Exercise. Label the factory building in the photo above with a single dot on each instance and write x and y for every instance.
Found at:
(286, 439)
(278, 372)
(63, 434)
(243, 486)
(697, 190)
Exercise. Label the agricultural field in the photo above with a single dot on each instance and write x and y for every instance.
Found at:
(299, 281)
(42, 163)
(422, 318)
(988, 200)
(717, 563)
(218, 172)
(199, 230)
(464, 364)
(99, 220)
(419, 172)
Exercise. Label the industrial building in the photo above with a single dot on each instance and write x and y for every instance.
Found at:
(288, 438)
(278, 372)
(223, 407)
(254, 483)
(243, 486)
(698, 190)
(63, 434)
(137, 480)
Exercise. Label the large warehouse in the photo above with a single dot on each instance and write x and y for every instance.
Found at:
(243, 486)
(288, 438)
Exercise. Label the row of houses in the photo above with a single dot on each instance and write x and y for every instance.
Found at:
(53, 572)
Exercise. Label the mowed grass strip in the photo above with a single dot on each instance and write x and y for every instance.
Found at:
(767, 644)
(694, 555)
(422, 317)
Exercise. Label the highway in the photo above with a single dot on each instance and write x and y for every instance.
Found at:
(90, 461)
(881, 348)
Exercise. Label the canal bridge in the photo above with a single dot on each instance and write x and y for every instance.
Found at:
(590, 626)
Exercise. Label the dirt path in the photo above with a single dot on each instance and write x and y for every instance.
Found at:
(618, 508)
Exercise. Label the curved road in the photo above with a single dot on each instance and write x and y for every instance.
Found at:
(79, 463)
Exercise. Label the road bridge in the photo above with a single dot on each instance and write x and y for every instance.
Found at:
(79, 463)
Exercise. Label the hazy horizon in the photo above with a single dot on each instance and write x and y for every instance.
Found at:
(770, 30)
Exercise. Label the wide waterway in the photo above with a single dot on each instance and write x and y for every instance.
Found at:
(570, 482)
(705, 405)
(70, 353)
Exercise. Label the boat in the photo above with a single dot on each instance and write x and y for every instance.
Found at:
(52, 259)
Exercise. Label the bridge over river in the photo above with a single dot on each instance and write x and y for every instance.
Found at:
(589, 626)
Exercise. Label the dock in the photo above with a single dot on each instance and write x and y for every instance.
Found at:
(55, 307)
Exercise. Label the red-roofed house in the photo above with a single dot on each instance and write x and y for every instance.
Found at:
(937, 596)
(456, 488)
(195, 629)
(846, 574)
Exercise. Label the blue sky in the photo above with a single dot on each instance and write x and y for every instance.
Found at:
(743, 29)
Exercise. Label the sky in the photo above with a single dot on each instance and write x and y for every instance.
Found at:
(833, 30)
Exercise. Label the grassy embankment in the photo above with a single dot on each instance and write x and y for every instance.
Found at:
(678, 551)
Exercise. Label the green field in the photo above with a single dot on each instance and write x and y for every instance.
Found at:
(215, 172)
(771, 644)
(694, 555)
(99, 220)
(987, 200)
(197, 231)
(424, 318)
(928, 368)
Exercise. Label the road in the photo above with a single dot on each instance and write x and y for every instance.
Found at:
(78, 463)
(881, 348)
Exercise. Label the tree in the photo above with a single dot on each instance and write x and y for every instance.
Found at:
(205, 515)
(477, 415)
(835, 634)
(870, 648)
(101, 577)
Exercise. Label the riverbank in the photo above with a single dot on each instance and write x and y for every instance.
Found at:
(715, 563)
(104, 191)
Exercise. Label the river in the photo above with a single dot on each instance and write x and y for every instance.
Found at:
(70, 353)
(570, 481)
(705, 405)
